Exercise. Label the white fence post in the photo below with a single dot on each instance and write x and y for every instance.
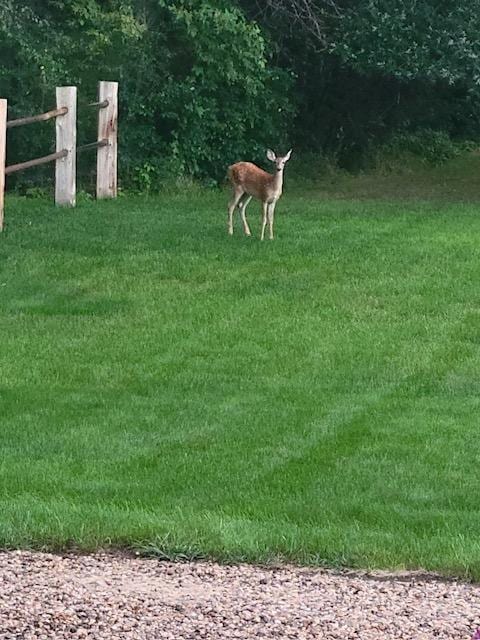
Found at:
(66, 129)
(107, 130)
(3, 153)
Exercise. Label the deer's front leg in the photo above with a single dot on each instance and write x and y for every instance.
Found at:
(271, 212)
(264, 218)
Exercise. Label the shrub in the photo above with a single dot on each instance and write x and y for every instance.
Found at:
(435, 147)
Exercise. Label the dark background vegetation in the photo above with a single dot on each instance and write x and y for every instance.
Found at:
(206, 82)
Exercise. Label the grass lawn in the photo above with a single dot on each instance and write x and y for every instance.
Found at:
(317, 398)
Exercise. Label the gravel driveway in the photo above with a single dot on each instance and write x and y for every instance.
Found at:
(120, 597)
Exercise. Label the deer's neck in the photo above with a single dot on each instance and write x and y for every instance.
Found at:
(277, 183)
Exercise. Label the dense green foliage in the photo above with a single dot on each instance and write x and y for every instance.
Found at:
(411, 39)
(197, 91)
(206, 82)
(378, 68)
(167, 386)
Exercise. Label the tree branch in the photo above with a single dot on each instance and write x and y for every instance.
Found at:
(310, 15)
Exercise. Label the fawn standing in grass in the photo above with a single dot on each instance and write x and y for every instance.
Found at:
(249, 180)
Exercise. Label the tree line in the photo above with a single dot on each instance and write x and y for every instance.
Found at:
(204, 83)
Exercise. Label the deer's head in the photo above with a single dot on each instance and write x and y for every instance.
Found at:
(278, 160)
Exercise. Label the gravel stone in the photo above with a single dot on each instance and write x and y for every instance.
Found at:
(109, 596)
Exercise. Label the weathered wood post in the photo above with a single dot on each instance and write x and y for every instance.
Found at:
(3, 153)
(66, 129)
(107, 130)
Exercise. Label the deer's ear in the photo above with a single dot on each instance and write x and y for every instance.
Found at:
(287, 157)
(270, 155)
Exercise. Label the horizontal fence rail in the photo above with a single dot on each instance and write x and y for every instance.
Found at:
(33, 163)
(42, 117)
(99, 105)
(65, 116)
(93, 145)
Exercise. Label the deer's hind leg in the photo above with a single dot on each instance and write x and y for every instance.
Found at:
(237, 194)
(242, 206)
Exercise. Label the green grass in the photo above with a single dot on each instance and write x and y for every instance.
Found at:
(316, 398)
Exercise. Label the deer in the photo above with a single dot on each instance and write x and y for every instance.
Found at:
(249, 181)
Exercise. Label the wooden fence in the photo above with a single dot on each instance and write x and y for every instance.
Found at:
(65, 155)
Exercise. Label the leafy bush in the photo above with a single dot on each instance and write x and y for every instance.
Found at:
(435, 147)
